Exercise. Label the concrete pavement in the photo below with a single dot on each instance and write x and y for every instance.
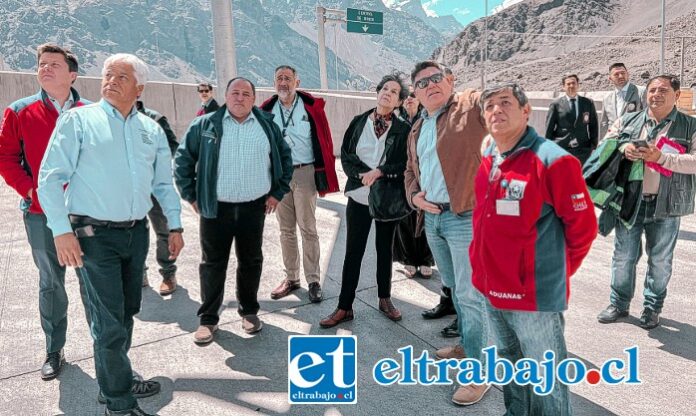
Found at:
(240, 374)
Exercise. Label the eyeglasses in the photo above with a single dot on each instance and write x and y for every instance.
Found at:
(412, 95)
(205, 91)
(435, 79)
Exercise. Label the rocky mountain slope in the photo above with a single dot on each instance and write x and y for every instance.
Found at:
(520, 48)
(175, 37)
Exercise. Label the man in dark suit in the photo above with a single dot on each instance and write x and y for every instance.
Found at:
(626, 97)
(208, 103)
(572, 121)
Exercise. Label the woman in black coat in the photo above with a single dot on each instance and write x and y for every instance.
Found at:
(373, 151)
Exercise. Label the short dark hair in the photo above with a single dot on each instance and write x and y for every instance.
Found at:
(566, 76)
(672, 79)
(294, 72)
(206, 85)
(617, 65)
(397, 77)
(253, 88)
(423, 65)
(70, 57)
(517, 92)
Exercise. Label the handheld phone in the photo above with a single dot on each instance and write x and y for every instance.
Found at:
(640, 143)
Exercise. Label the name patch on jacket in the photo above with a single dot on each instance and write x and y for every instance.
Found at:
(506, 295)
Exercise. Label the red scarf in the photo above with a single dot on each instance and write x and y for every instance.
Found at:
(381, 123)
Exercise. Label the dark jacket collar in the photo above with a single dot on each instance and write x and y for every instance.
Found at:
(73, 92)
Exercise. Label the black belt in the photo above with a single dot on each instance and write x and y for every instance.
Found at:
(85, 220)
(444, 206)
(649, 198)
(301, 165)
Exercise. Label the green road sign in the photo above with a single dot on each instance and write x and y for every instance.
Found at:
(369, 28)
(364, 21)
(364, 16)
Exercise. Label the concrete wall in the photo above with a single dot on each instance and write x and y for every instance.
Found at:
(179, 102)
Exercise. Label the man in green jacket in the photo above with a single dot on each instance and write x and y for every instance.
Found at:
(233, 167)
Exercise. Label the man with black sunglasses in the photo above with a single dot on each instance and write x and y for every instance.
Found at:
(208, 103)
(443, 157)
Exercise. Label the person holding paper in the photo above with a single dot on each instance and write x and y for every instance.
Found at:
(662, 138)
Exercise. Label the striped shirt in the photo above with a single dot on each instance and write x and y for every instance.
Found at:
(244, 165)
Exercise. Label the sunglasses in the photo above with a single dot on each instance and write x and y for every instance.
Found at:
(412, 95)
(435, 79)
(206, 91)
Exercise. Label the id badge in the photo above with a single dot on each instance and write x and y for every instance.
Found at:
(507, 207)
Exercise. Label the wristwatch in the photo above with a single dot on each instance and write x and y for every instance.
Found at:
(177, 230)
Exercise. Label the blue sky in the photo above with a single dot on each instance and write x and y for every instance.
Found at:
(463, 10)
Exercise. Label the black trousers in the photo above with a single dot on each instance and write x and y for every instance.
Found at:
(241, 223)
(410, 250)
(159, 224)
(358, 223)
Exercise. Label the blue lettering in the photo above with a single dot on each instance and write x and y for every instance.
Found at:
(423, 363)
(407, 365)
(633, 365)
(471, 372)
(527, 372)
(564, 374)
(442, 370)
(549, 379)
(493, 361)
(607, 374)
(381, 368)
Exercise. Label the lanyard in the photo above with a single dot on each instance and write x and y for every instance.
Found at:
(282, 115)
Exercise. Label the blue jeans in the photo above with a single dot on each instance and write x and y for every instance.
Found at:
(520, 335)
(449, 236)
(660, 240)
(53, 300)
(112, 273)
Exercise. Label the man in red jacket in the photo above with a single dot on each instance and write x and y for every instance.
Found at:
(533, 225)
(26, 128)
(302, 120)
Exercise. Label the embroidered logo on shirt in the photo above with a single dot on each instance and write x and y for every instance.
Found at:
(579, 203)
(515, 190)
(631, 107)
(145, 137)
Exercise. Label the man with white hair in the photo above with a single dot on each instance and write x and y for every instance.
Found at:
(111, 158)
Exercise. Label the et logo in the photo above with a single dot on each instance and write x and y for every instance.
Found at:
(322, 369)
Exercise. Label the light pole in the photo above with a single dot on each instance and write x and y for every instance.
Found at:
(223, 42)
(662, 41)
(484, 47)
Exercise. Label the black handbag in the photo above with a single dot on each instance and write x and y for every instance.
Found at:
(387, 200)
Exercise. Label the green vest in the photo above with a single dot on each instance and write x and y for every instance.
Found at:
(675, 196)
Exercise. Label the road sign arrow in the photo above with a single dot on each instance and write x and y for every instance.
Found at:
(365, 27)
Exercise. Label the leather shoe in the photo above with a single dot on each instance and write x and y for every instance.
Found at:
(440, 310)
(251, 324)
(52, 366)
(132, 412)
(336, 317)
(314, 292)
(611, 314)
(204, 334)
(387, 308)
(284, 289)
(451, 330)
(470, 394)
(140, 389)
(454, 351)
(649, 319)
(168, 286)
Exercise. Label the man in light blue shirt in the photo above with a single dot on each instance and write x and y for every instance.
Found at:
(111, 158)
